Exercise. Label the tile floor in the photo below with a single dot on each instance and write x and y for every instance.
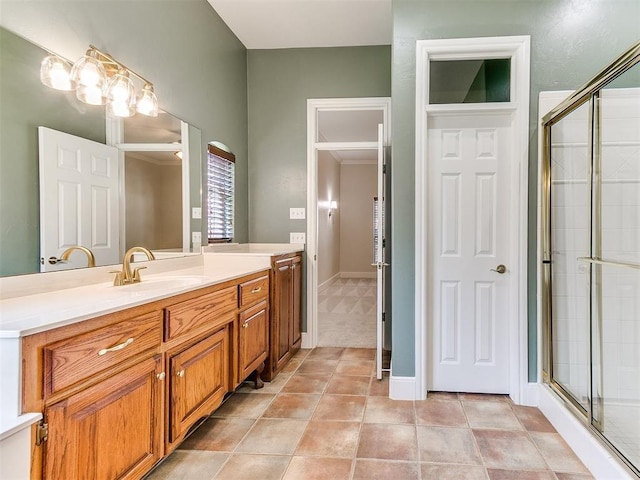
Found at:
(347, 313)
(327, 417)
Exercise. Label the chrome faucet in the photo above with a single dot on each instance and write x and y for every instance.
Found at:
(91, 259)
(126, 276)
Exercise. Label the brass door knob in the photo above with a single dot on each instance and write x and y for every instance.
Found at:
(499, 269)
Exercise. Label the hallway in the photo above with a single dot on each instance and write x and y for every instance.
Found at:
(347, 313)
(327, 417)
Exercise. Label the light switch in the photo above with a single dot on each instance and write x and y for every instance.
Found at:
(297, 237)
(296, 213)
(196, 212)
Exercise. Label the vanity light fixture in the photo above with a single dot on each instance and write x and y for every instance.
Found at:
(99, 79)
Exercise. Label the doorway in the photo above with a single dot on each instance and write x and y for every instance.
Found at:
(472, 108)
(345, 162)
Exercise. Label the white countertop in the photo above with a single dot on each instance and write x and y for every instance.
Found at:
(26, 315)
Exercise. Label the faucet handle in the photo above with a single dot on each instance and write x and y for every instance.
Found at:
(118, 280)
(136, 274)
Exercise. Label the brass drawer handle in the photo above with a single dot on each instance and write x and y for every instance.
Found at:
(180, 373)
(256, 290)
(120, 346)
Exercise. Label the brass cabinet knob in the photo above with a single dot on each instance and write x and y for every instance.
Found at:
(180, 373)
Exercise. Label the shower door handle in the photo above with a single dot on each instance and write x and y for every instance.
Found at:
(501, 269)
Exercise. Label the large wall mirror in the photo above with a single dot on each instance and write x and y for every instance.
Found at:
(159, 158)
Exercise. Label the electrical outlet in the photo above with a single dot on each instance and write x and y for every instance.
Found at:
(297, 237)
(196, 212)
(296, 213)
(196, 237)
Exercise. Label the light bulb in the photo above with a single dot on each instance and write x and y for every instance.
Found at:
(55, 73)
(89, 76)
(121, 99)
(147, 103)
(91, 95)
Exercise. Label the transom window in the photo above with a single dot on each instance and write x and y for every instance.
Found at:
(220, 193)
(470, 81)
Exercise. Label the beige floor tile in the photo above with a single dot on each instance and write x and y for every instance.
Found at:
(306, 384)
(292, 405)
(358, 354)
(483, 397)
(572, 476)
(388, 442)
(291, 366)
(218, 434)
(340, 407)
(385, 410)
(244, 405)
(329, 439)
(273, 436)
(520, 475)
(379, 388)
(508, 450)
(447, 445)
(385, 470)
(348, 385)
(432, 471)
(274, 386)
(491, 415)
(557, 453)
(243, 467)
(532, 419)
(442, 396)
(189, 465)
(326, 353)
(444, 413)
(313, 366)
(355, 367)
(318, 468)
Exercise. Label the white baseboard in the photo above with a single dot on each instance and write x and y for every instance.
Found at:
(531, 395)
(602, 464)
(306, 340)
(357, 274)
(328, 282)
(402, 388)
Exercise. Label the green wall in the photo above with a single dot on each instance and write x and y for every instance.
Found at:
(280, 82)
(570, 42)
(197, 65)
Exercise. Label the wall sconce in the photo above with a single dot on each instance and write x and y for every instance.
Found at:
(333, 205)
(99, 79)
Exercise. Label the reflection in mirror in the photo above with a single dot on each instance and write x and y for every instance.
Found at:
(28, 104)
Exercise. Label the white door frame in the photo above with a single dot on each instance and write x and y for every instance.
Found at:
(314, 105)
(518, 49)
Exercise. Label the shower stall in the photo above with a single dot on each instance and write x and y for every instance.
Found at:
(591, 254)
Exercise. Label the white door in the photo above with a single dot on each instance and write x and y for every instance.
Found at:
(79, 200)
(469, 157)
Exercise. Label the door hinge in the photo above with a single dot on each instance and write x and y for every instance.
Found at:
(383, 316)
(384, 243)
(384, 168)
(42, 432)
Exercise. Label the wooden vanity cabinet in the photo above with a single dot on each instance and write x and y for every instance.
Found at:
(111, 430)
(253, 327)
(286, 314)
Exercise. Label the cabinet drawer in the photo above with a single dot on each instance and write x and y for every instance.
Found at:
(253, 291)
(74, 359)
(192, 314)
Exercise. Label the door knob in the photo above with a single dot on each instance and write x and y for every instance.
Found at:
(499, 269)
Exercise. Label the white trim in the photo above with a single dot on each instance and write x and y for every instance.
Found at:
(346, 146)
(402, 388)
(531, 397)
(186, 189)
(602, 463)
(315, 105)
(518, 48)
(358, 162)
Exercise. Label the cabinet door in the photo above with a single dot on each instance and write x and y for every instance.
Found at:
(112, 430)
(254, 335)
(198, 377)
(282, 308)
(296, 304)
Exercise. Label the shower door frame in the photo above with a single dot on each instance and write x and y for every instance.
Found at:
(589, 93)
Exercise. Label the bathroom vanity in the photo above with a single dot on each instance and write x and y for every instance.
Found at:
(121, 375)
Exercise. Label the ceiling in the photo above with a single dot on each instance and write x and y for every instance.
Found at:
(269, 24)
(276, 24)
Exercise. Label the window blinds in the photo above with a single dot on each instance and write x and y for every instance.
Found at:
(220, 194)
